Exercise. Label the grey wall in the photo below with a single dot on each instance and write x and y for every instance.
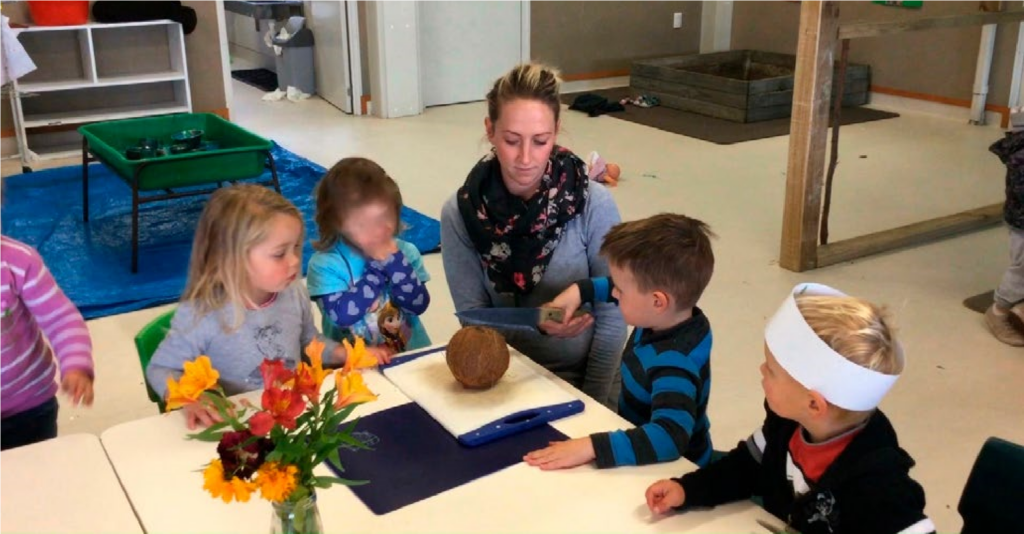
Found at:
(591, 37)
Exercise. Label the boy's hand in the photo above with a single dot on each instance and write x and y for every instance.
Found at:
(77, 385)
(200, 414)
(383, 353)
(664, 495)
(562, 454)
(571, 326)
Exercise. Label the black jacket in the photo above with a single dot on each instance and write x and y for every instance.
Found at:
(1010, 150)
(866, 489)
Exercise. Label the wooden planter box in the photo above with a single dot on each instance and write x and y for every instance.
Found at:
(739, 85)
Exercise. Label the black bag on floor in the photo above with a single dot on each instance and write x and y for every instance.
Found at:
(106, 11)
(595, 105)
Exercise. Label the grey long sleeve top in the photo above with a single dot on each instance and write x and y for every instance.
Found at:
(589, 361)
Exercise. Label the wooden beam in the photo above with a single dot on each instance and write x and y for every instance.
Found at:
(812, 93)
(911, 234)
(854, 30)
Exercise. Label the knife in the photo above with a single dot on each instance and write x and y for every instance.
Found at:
(513, 318)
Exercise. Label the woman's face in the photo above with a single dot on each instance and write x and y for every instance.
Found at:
(523, 137)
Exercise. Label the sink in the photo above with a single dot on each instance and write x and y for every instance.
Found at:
(261, 10)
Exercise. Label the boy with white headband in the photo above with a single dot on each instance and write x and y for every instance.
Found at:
(826, 459)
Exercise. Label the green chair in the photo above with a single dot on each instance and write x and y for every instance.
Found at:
(992, 497)
(146, 342)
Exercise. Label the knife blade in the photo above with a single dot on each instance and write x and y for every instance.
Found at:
(513, 318)
(509, 318)
(785, 529)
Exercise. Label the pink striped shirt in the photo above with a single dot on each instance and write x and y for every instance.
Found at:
(36, 316)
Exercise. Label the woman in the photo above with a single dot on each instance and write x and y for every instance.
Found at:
(526, 224)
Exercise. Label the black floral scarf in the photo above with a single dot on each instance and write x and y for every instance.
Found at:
(514, 237)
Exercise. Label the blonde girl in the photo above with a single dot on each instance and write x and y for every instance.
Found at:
(243, 302)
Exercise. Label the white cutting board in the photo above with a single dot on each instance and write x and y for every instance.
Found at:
(468, 413)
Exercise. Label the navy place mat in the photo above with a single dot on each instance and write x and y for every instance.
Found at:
(413, 457)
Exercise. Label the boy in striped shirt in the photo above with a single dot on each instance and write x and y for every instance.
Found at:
(39, 322)
(659, 269)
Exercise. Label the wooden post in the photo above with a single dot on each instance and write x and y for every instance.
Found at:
(812, 91)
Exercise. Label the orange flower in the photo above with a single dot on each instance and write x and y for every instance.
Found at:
(351, 389)
(315, 351)
(230, 489)
(198, 377)
(275, 481)
(309, 377)
(357, 357)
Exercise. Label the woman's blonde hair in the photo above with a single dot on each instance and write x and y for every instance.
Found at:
(855, 328)
(349, 184)
(526, 81)
(235, 219)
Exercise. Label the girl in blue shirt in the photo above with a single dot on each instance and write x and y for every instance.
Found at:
(366, 281)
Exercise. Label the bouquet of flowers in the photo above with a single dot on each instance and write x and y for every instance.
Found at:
(274, 448)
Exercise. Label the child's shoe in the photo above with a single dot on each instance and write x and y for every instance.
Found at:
(998, 322)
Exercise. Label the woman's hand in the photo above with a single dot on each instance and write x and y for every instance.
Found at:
(571, 325)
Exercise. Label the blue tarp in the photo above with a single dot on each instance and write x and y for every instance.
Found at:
(91, 262)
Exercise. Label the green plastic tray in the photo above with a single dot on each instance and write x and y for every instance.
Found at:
(242, 154)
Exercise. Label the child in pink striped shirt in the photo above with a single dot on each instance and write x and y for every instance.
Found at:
(39, 322)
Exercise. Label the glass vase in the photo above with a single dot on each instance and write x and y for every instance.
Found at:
(299, 517)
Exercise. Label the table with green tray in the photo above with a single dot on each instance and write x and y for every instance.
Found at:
(239, 154)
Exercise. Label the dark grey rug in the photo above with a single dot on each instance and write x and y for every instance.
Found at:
(715, 130)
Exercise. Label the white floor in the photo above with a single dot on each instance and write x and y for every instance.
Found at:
(961, 385)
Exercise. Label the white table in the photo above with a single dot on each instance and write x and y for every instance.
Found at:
(62, 485)
(158, 469)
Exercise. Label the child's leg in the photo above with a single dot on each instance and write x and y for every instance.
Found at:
(1011, 291)
(31, 426)
(1005, 317)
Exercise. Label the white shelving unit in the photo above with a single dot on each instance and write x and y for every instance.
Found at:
(92, 73)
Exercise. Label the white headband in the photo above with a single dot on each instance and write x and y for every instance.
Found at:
(815, 365)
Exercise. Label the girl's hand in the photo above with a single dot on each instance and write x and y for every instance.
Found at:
(383, 353)
(200, 414)
(77, 385)
(664, 495)
(383, 250)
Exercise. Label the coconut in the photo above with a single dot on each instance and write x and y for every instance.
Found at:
(477, 356)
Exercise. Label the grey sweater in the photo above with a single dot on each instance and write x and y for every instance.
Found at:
(589, 361)
(279, 331)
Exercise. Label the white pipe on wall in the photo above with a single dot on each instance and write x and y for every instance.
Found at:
(981, 72)
(1016, 97)
(1015, 82)
(715, 26)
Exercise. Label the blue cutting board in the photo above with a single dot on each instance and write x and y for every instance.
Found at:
(522, 399)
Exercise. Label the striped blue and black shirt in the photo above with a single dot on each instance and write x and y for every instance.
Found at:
(666, 382)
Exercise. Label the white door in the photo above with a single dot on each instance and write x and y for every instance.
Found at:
(328, 20)
(465, 46)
